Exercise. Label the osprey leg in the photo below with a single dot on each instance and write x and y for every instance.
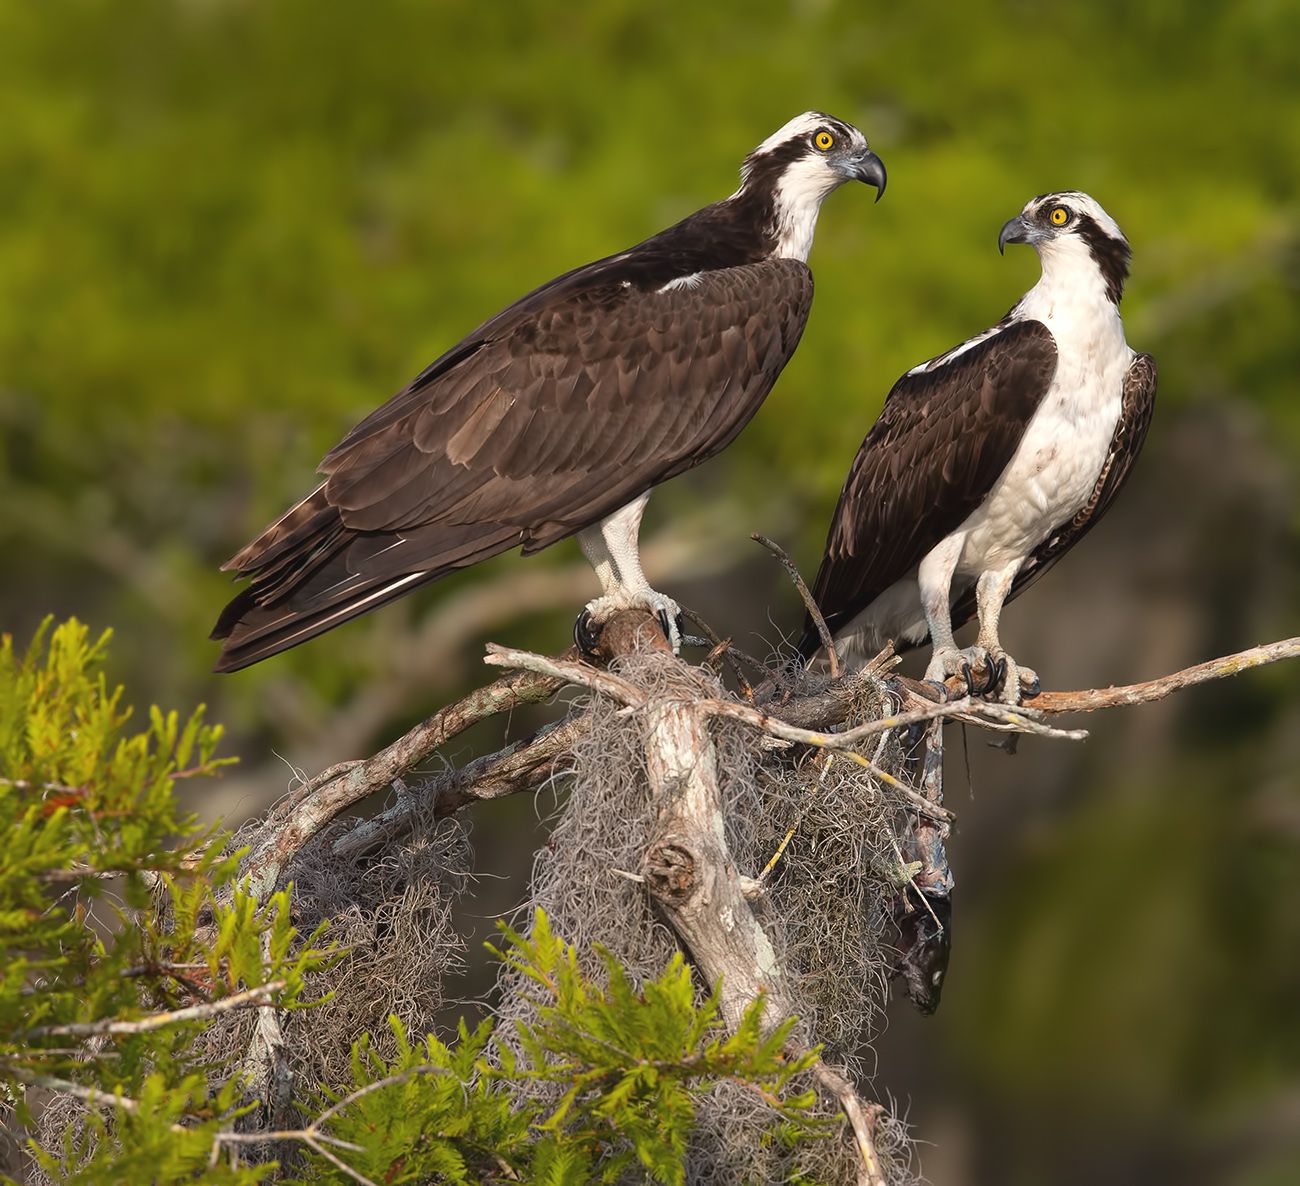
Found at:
(611, 547)
(990, 595)
(934, 576)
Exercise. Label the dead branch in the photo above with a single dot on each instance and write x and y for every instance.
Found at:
(527, 764)
(89, 1029)
(687, 868)
(1158, 689)
(520, 767)
(862, 1119)
(606, 683)
(805, 595)
(268, 1078)
(689, 872)
(88, 1095)
(288, 827)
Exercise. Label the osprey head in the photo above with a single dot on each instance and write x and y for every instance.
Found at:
(798, 165)
(1069, 229)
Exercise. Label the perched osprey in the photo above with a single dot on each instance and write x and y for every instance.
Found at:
(558, 415)
(988, 463)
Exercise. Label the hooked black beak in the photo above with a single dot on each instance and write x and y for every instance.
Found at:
(1014, 230)
(871, 169)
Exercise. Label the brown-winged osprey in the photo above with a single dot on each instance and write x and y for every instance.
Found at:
(558, 415)
(988, 463)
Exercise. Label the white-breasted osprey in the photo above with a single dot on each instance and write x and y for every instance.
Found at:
(558, 415)
(988, 463)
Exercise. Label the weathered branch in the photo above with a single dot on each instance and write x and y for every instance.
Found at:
(686, 868)
(520, 767)
(862, 1119)
(689, 872)
(622, 690)
(526, 764)
(287, 828)
(89, 1029)
(1158, 689)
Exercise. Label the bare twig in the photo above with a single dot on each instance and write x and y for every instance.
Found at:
(622, 690)
(862, 1119)
(1157, 689)
(919, 802)
(730, 653)
(312, 1135)
(89, 1095)
(975, 710)
(564, 670)
(831, 705)
(240, 1000)
(520, 767)
(805, 595)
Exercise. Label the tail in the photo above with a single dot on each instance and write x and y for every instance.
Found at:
(253, 632)
(311, 572)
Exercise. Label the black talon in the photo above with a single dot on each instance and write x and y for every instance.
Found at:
(998, 672)
(586, 633)
(1033, 690)
(665, 625)
(969, 676)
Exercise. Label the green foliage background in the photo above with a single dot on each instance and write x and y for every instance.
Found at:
(228, 229)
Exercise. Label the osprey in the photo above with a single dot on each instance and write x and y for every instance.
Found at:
(558, 415)
(988, 463)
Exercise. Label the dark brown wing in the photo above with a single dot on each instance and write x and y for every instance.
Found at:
(942, 440)
(549, 417)
(1138, 404)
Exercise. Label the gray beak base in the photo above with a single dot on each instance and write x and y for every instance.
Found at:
(871, 169)
(1013, 230)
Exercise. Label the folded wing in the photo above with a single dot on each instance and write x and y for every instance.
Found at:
(943, 438)
(555, 413)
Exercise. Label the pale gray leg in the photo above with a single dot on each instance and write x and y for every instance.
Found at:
(990, 595)
(934, 575)
(611, 547)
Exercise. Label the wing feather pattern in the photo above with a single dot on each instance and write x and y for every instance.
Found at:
(943, 438)
(552, 415)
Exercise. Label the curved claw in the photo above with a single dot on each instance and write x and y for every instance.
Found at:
(1035, 687)
(672, 629)
(969, 676)
(586, 633)
(997, 672)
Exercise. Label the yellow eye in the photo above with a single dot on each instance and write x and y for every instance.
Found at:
(1059, 216)
(824, 140)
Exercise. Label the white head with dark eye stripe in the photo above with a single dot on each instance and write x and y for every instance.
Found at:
(1075, 239)
(795, 168)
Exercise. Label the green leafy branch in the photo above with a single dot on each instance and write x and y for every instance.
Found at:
(632, 1066)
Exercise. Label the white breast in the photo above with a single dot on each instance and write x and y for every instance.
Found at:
(1055, 468)
(1053, 472)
